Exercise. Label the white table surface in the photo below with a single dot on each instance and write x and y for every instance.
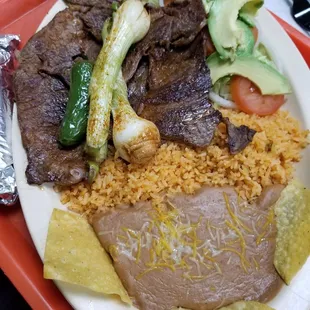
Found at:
(282, 8)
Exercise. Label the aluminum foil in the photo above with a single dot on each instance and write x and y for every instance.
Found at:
(8, 190)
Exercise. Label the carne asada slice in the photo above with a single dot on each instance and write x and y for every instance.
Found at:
(93, 13)
(177, 100)
(41, 85)
(238, 137)
(178, 24)
(91, 3)
(168, 70)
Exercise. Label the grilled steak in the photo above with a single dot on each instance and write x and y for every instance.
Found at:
(238, 137)
(202, 252)
(91, 3)
(177, 100)
(93, 13)
(175, 25)
(41, 89)
(169, 83)
(169, 80)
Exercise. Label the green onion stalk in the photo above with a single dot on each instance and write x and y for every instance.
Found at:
(136, 139)
(131, 22)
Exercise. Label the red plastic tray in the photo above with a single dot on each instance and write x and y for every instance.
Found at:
(18, 256)
(19, 259)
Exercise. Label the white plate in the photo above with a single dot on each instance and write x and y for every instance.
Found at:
(38, 202)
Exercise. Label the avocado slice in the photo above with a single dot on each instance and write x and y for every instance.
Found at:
(226, 32)
(262, 54)
(247, 40)
(249, 11)
(207, 5)
(263, 50)
(267, 78)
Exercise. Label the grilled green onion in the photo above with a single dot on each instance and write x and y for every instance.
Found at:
(130, 24)
(135, 139)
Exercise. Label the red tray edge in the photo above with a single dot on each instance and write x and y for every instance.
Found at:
(38, 292)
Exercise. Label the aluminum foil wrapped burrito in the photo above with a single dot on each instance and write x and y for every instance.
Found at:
(8, 191)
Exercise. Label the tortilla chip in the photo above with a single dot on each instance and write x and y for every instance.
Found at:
(293, 224)
(73, 254)
(247, 305)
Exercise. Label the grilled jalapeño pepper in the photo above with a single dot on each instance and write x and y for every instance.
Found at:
(74, 124)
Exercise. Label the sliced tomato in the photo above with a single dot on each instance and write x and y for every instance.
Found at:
(255, 33)
(250, 100)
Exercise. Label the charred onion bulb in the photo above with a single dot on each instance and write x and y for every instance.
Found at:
(135, 139)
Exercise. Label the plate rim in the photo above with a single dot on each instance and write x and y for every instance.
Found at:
(90, 299)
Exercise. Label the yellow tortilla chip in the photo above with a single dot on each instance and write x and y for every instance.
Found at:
(293, 236)
(73, 254)
(247, 305)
